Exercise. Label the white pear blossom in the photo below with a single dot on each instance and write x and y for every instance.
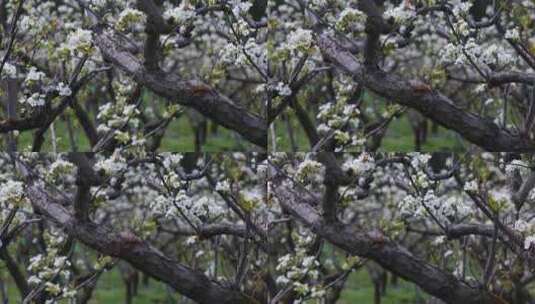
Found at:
(419, 160)
(98, 3)
(239, 7)
(362, 164)
(181, 14)
(59, 168)
(401, 13)
(34, 75)
(223, 186)
(300, 40)
(351, 18)
(112, 165)
(461, 8)
(9, 71)
(35, 100)
(129, 18)
(64, 89)
(471, 186)
(310, 171)
(283, 89)
(521, 225)
(11, 192)
(529, 241)
(79, 41)
(512, 34)
(172, 160)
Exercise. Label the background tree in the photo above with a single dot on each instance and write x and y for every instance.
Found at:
(345, 70)
(246, 228)
(124, 71)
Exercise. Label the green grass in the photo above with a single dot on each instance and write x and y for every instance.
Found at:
(25, 140)
(359, 289)
(399, 138)
(110, 289)
(283, 142)
(178, 138)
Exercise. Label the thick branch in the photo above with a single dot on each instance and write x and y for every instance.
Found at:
(85, 178)
(374, 245)
(23, 124)
(189, 93)
(432, 104)
(127, 246)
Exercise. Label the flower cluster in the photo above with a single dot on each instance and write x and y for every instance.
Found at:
(12, 192)
(310, 171)
(490, 56)
(282, 89)
(512, 34)
(527, 229)
(9, 71)
(130, 18)
(78, 42)
(360, 165)
(35, 100)
(117, 116)
(180, 15)
(60, 168)
(34, 76)
(223, 186)
(400, 14)
(197, 209)
(300, 40)
(239, 7)
(340, 117)
(529, 241)
(445, 210)
(351, 20)
(112, 165)
(171, 161)
(419, 160)
(299, 268)
(516, 164)
(522, 226)
(471, 186)
(64, 89)
(242, 55)
(52, 271)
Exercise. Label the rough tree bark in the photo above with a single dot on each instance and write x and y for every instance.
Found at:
(190, 93)
(127, 246)
(376, 246)
(432, 104)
